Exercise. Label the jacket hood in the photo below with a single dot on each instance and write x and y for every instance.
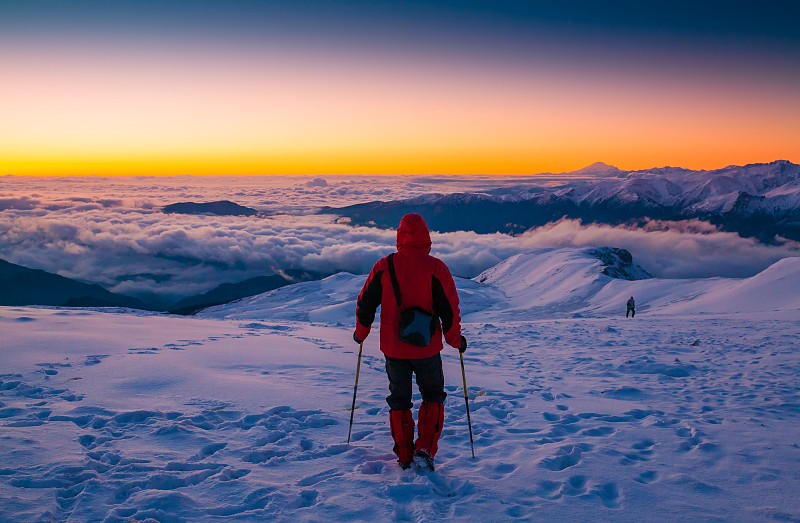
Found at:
(413, 233)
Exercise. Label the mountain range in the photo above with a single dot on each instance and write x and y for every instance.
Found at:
(755, 200)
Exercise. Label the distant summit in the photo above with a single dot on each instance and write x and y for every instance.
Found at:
(599, 169)
(219, 208)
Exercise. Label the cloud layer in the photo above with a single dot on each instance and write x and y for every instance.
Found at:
(112, 232)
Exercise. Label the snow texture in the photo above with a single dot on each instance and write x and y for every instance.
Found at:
(688, 412)
(776, 186)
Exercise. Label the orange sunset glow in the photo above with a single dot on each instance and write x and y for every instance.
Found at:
(121, 108)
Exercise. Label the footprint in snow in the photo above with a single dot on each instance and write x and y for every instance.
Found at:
(306, 498)
(598, 432)
(646, 477)
(574, 486)
(642, 451)
(609, 495)
(320, 477)
(371, 467)
(502, 470)
(358, 436)
(565, 457)
(208, 450)
(693, 439)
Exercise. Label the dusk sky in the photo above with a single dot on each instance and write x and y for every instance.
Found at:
(313, 87)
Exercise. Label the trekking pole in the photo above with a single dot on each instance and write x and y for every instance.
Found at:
(466, 400)
(355, 389)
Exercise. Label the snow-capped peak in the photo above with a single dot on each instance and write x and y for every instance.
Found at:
(599, 169)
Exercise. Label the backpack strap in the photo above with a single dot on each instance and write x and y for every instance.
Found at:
(395, 285)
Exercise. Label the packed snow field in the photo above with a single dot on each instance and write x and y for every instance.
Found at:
(579, 414)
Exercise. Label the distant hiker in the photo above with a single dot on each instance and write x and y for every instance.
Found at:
(416, 292)
(631, 308)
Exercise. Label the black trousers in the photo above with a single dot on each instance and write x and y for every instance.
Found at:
(430, 380)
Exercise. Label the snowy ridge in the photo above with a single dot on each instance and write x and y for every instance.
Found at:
(330, 300)
(559, 280)
(553, 281)
(545, 283)
(768, 291)
(565, 282)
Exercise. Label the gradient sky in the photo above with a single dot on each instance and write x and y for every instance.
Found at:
(316, 87)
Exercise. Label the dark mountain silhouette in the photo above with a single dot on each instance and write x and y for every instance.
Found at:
(24, 286)
(228, 292)
(21, 285)
(220, 208)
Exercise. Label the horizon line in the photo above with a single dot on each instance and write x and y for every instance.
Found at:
(365, 174)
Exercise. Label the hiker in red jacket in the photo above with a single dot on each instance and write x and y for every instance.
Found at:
(418, 305)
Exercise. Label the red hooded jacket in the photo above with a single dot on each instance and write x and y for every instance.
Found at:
(424, 282)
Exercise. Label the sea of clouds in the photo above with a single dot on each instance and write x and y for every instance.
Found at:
(111, 231)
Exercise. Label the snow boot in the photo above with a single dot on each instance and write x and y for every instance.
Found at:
(402, 425)
(423, 460)
(431, 420)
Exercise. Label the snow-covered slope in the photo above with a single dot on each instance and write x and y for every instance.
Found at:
(121, 418)
(774, 289)
(243, 414)
(555, 281)
(545, 283)
(331, 300)
(562, 282)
